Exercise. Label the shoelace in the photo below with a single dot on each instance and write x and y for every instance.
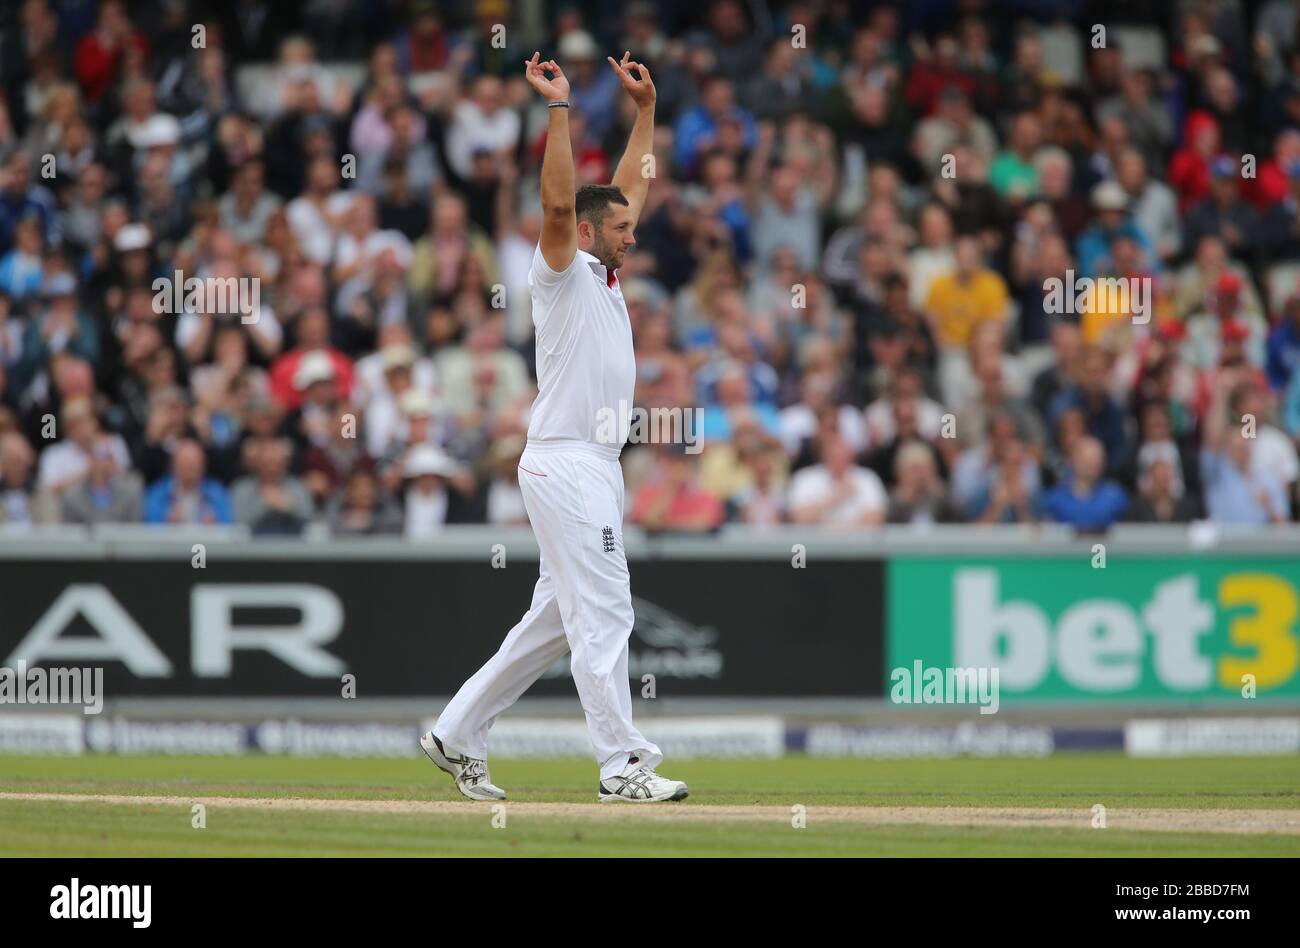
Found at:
(474, 770)
(646, 775)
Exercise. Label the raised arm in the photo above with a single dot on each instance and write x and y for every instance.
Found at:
(559, 224)
(632, 176)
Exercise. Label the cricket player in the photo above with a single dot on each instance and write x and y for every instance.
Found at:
(571, 480)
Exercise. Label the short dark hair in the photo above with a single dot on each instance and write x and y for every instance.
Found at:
(593, 200)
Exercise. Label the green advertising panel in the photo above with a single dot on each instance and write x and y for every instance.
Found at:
(1141, 628)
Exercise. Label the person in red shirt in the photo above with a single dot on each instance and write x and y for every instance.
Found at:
(673, 501)
(99, 52)
(589, 159)
(935, 71)
(1189, 169)
(313, 336)
(1232, 363)
(1271, 184)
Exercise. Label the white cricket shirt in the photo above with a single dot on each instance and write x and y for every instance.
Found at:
(586, 369)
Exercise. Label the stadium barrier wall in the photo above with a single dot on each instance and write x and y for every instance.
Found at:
(1141, 616)
(759, 641)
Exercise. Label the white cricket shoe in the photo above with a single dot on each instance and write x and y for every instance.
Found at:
(470, 773)
(639, 784)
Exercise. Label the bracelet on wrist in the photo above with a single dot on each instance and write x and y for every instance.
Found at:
(558, 104)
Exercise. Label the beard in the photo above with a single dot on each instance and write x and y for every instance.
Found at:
(608, 254)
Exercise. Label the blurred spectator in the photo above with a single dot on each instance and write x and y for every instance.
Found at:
(1088, 393)
(106, 494)
(1236, 490)
(1085, 499)
(66, 462)
(1283, 346)
(836, 492)
(1111, 204)
(20, 503)
(362, 509)
(480, 121)
(1225, 319)
(763, 502)
(1223, 213)
(594, 89)
(1159, 498)
(185, 496)
(672, 500)
(269, 500)
(311, 361)
(1011, 493)
(1189, 170)
(429, 501)
(21, 198)
(961, 300)
(698, 128)
(918, 496)
(505, 502)
(1153, 204)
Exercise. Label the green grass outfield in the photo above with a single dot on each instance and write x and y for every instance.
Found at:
(1070, 784)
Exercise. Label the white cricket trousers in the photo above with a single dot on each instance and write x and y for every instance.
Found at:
(582, 604)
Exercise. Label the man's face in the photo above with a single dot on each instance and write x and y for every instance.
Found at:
(1088, 460)
(968, 256)
(82, 430)
(448, 216)
(20, 173)
(1161, 474)
(837, 456)
(324, 392)
(102, 465)
(1157, 424)
(188, 464)
(1132, 171)
(487, 95)
(718, 98)
(1093, 381)
(612, 237)
(274, 460)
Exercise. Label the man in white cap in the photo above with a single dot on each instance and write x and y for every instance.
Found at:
(569, 473)
(593, 90)
(426, 470)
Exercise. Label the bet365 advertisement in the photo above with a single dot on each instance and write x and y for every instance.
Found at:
(1139, 628)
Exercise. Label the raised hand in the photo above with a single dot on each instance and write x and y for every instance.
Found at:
(552, 89)
(640, 87)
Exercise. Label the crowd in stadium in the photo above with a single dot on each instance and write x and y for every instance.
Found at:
(845, 263)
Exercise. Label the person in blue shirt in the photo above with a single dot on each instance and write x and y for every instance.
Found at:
(1291, 407)
(60, 326)
(1283, 347)
(1085, 499)
(594, 90)
(697, 129)
(733, 393)
(20, 199)
(185, 495)
(1237, 491)
(1089, 395)
(22, 269)
(1093, 249)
